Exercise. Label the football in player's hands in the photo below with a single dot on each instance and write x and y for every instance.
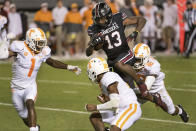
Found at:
(91, 107)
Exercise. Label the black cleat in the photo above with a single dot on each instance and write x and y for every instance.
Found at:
(107, 129)
(38, 127)
(184, 116)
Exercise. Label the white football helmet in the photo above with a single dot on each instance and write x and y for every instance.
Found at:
(36, 39)
(95, 67)
(142, 54)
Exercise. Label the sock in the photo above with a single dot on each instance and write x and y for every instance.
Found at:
(34, 128)
(180, 111)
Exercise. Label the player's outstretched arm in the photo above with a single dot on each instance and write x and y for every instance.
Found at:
(5, 52)
(139, 20)
(61, 65)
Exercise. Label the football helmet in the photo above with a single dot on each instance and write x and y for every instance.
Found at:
(36, 39)
(142, 54)
(95, 67)
(102, 12)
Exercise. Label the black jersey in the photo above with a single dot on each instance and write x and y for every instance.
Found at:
(115, 39)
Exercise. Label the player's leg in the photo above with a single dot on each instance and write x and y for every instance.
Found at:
(126, 117)
(18, 101)
(171, 108)
(31, 113)
(96, 121)
(30, 98)
(99, 118)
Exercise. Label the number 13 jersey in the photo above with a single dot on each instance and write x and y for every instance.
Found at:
(115, 39)
(26, 64)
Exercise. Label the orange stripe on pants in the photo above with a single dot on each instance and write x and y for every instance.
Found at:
(117, 123)
(135, 109)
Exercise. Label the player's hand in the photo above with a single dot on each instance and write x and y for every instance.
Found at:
(143, 88)
(101, 98)
(74, 69)
(133, 36)
(97, 39)
(157, 100)
(91, 107)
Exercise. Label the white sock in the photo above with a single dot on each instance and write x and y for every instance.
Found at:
(180, 111)
(34, 128)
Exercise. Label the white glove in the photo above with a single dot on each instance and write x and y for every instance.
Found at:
(11, 36)
(74, 69)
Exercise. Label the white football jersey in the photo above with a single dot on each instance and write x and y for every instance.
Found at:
(127, 95)
(153, 68)
(26, 64)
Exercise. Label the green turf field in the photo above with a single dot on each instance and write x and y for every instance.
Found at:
(61, 95)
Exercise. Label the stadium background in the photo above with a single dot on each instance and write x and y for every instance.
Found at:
(62, 95)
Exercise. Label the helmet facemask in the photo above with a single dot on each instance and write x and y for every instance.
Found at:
(140, 62)
(36, 39)
(37, 46)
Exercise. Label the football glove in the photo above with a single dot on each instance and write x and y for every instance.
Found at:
(133, 36)
(143, 88)
(97, 39)
(157, 100)
(74, 69)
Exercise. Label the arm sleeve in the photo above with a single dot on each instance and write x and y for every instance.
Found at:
(15, 47)
(149, 81)
(47, 53)
(112, 104)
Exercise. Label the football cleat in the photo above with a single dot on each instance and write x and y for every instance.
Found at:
(184, 116)
(38, 127)
(106, 129)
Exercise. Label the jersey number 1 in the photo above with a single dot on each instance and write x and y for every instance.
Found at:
(118, 43)
(32, 67)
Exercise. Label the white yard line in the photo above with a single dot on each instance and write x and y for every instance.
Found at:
(56, 82)
(90, 84)
(189, 85)
(180, 89)
(180, 72)
(70, 92)
(82, 112)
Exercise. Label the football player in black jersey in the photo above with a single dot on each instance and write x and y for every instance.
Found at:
(107, 33)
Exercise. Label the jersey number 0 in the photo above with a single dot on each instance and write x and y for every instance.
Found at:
(118, 43)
